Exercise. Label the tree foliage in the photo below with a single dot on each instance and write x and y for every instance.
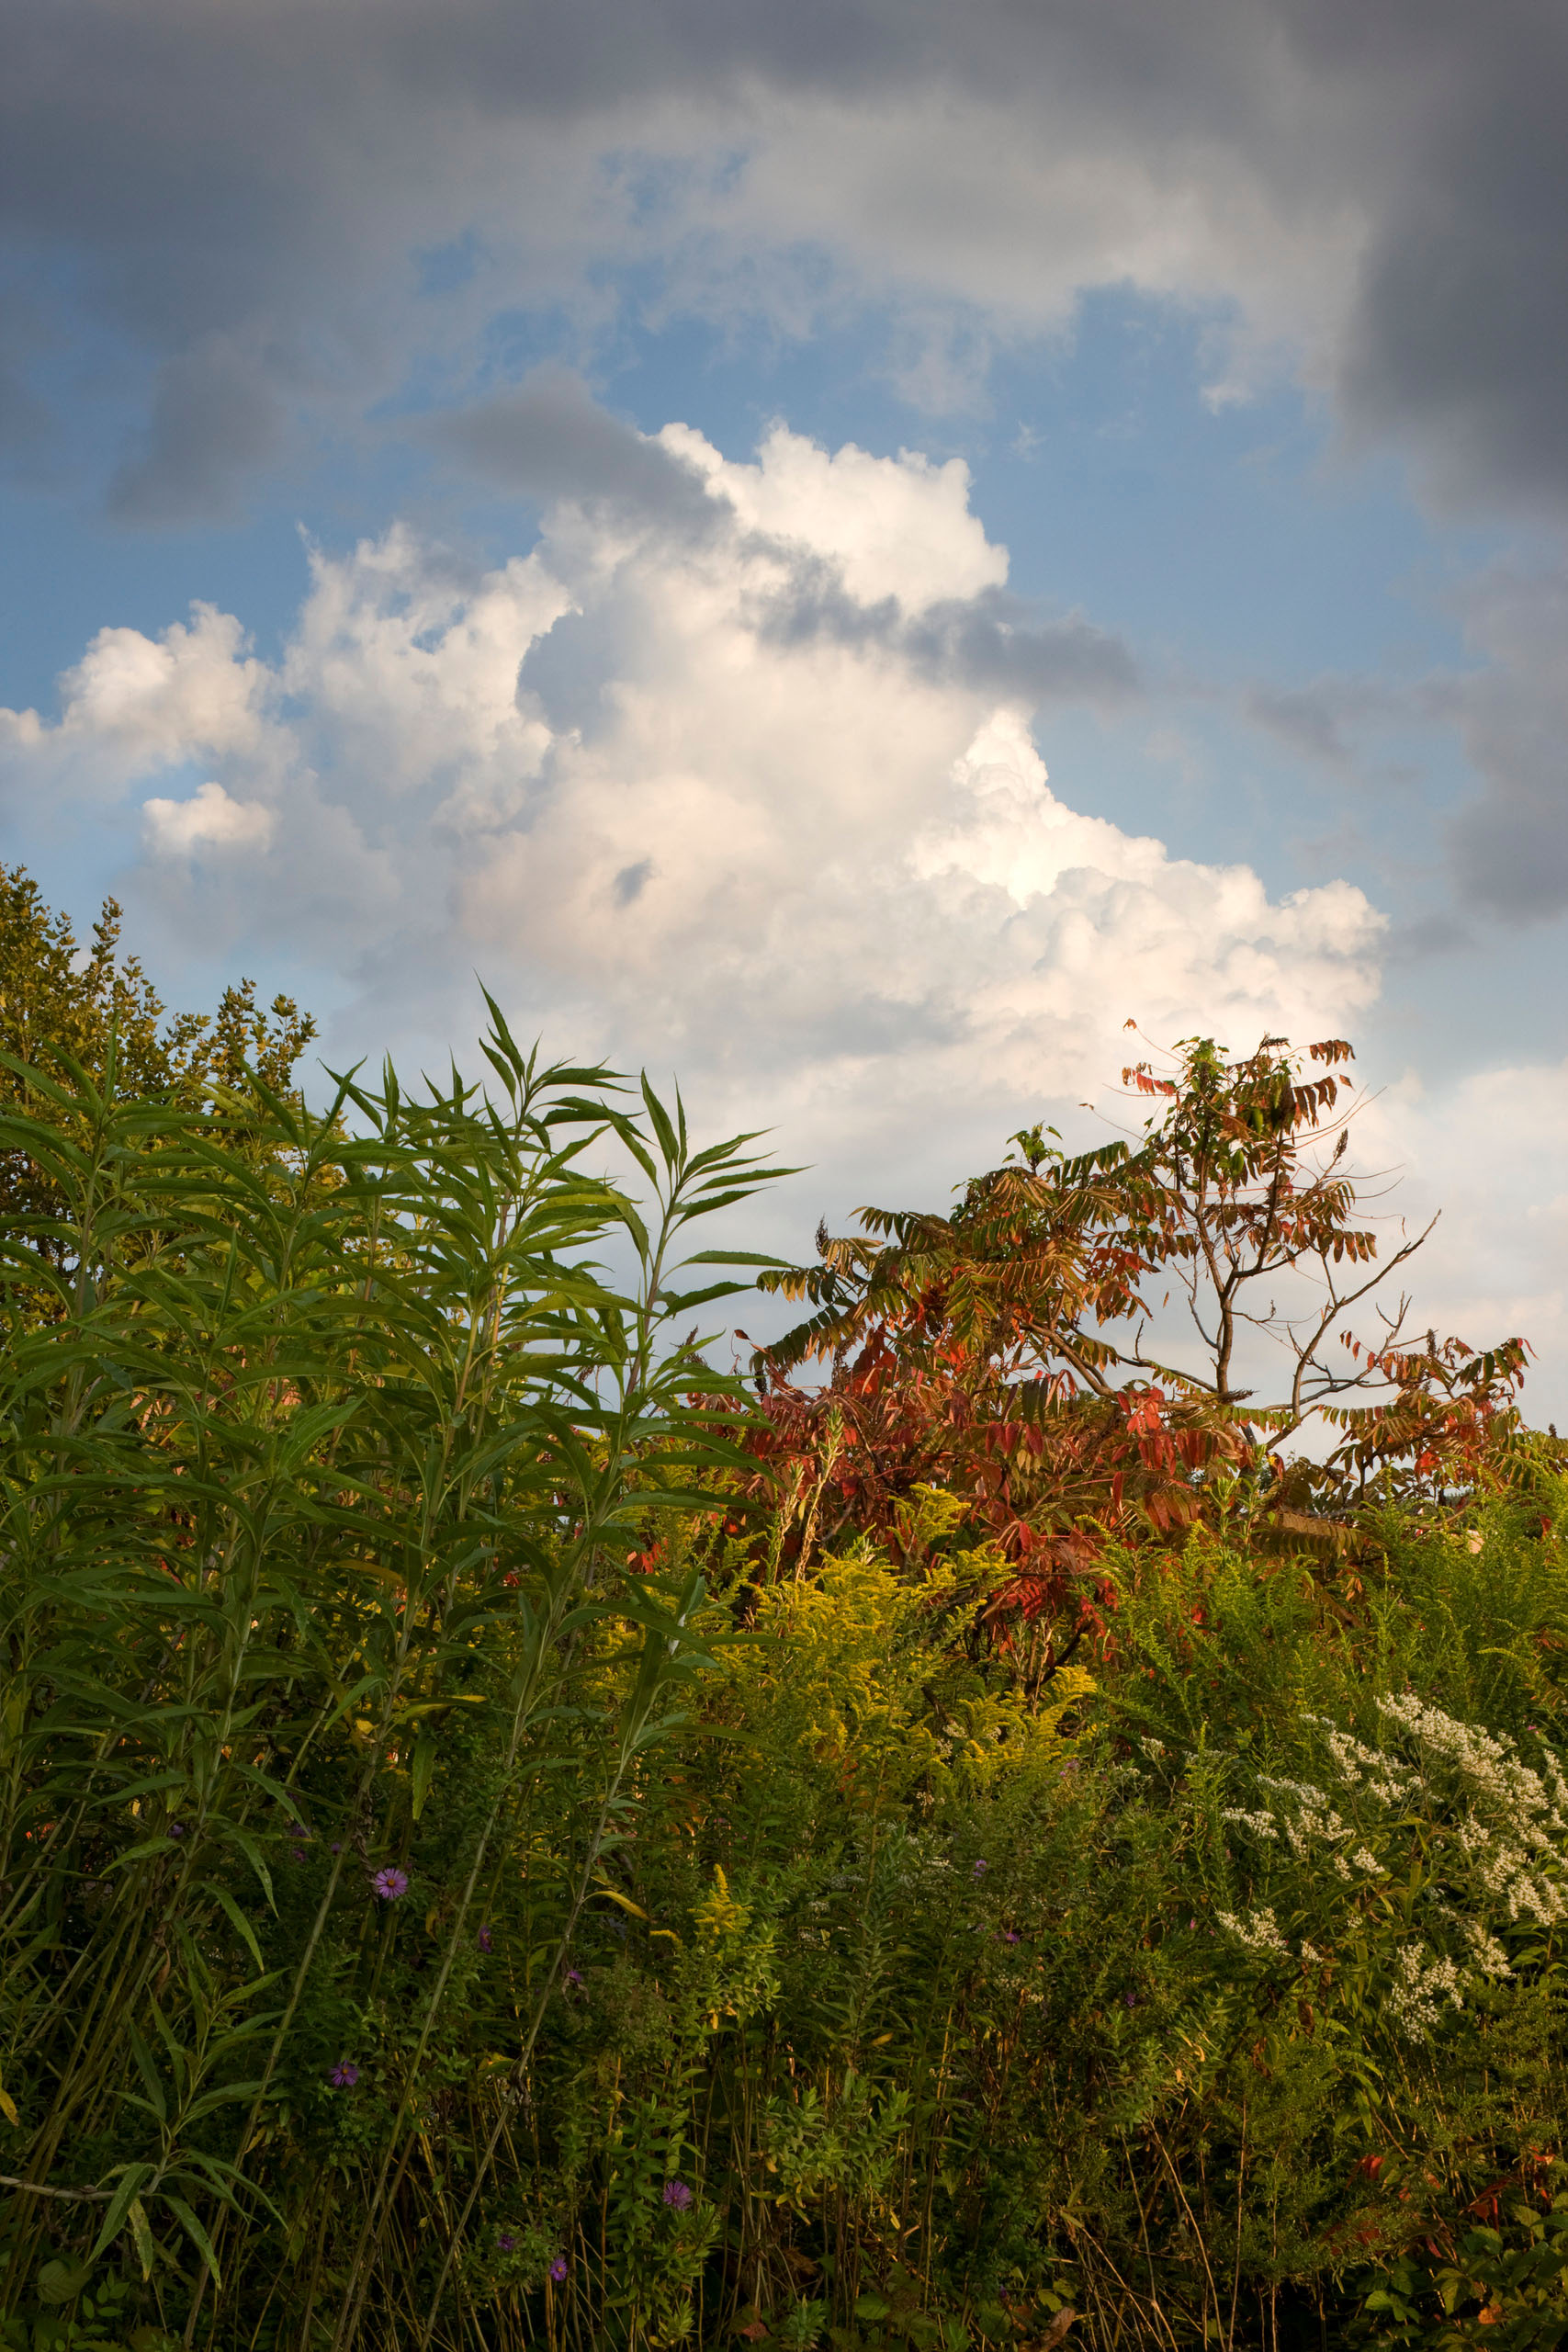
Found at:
(91, 1007)
(1021, 1349)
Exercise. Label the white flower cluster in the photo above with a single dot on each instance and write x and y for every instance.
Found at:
(1494, 1768)
(1509, 1874)
(1484, 1950)
(1314, 1821)
(1366, 1770)
(1259, 1931)
(1262, 1825)
(1496, 1826)
(1421, 1986)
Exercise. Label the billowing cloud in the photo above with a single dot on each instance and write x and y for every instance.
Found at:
(806, 864)
(207, 821)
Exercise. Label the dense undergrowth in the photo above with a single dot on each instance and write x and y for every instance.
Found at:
(506, 1840)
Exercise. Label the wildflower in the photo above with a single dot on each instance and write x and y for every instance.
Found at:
(980, 1870)
(484, 1939)
(177, 1830)
(572, 1977)
(297, 1853)
(557, 2268)
(677, 2194)
(1010, 1935)
(1257, 1933)
(1262, 1825)
(1423, 1984)
(506, 2241)
(344, 2075)
(1489, 1955)
(389, 1884)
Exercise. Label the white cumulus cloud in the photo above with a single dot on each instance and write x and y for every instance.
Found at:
(817, 870)
(209, 820)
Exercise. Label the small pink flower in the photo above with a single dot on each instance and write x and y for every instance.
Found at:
(390, 1884)
(344, 2075)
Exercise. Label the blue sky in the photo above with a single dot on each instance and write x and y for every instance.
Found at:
(527, 490)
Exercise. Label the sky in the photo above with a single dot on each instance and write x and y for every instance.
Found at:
(840, 553)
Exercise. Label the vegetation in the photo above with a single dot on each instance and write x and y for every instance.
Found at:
(509, 1836)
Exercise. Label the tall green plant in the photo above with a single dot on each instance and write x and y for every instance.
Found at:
(315, 1429)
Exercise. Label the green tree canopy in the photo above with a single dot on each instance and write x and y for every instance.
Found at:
(58, 998)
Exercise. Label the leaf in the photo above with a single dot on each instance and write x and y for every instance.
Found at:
(133, 2179)
(662, 1126)
(196, 2233)
(253, 1854)
(141, 2234)
(624, 1900)
(8, 2109)
(61, 2282)
(238, 1921)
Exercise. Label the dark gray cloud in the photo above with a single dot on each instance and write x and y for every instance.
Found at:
(1510, 846)
(550, 440)
(265, 173)
(1460, 335)
(994, 641)
(214, 420)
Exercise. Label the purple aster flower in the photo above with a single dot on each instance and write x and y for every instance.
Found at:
(390, 1884)
(337, 1845)
(506, 2242)
(344, 2075)
(297, 1854)
(177, 1830)
(1010, 1935)
(484, 1939)
(676, 2193)
(980, 1870)
(572, 1977)
(557, 2268)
